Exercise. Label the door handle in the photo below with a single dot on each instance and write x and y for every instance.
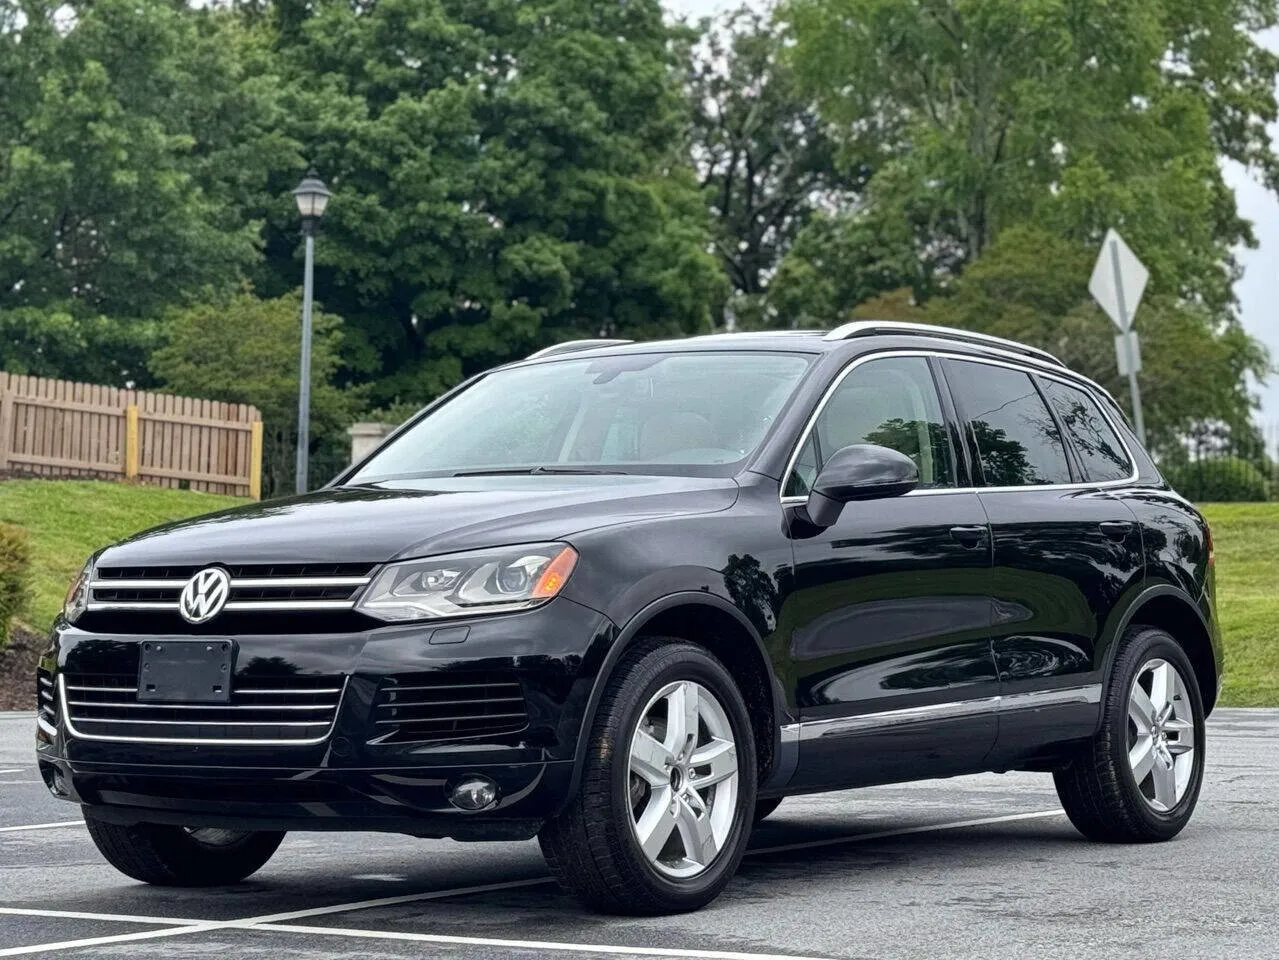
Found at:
(1117, 530)
(969, 536)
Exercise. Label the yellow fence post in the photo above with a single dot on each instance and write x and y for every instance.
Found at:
(255, 461)
(131, 442)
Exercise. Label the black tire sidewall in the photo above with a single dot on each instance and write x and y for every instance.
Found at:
(639, 686)
(1151, 644)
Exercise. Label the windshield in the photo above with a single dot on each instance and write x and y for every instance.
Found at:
(694, 413)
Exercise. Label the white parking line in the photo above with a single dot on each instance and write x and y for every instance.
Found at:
(122, 918)
(43, 826)
(404, 898)
(13, 770)
(102, 941)
(277, 921)
(549, 945)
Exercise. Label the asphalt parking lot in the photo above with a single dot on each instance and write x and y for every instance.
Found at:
(974, 867)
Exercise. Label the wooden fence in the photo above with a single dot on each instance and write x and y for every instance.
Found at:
(58, 428)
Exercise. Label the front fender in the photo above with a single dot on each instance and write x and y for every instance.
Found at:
(697, 594)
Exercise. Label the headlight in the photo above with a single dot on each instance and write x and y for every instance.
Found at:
(469, 584)
(78, 594)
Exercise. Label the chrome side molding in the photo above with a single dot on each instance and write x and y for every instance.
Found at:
(955, 709)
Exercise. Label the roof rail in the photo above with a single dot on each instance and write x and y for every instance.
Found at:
(866, 328)
(573, 346)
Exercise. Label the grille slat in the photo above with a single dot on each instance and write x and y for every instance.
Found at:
(207, 723)
(46, 702)
(301, 710)
(425, 708)
(256, 588)
(197, 706)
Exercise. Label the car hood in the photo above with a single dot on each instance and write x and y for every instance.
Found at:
(413, 518)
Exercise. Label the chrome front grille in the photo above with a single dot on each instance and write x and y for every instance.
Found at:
(255, 588)
(432, 707)
(263, 711)
(46, 702)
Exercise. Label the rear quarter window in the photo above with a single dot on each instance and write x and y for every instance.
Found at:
(1100, 452)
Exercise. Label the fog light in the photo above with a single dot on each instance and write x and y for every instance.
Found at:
(473, 793)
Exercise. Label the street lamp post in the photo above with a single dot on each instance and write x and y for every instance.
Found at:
(312, 197)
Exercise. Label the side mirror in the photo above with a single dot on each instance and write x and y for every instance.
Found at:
(863, 471)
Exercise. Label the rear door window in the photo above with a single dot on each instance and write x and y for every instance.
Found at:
(1018, 443)
(1100, 452)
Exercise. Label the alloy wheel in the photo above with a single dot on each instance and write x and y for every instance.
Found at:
(1161, 734)
(683, 779)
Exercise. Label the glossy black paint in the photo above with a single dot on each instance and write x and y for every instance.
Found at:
(902, 604)
(891, 610)
(857, 473)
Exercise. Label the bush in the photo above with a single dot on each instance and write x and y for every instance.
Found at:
(15, 576)
(1220, 480)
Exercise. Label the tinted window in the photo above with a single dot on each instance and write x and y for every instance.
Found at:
(1099, 449)
(1017, 439)
(892, 402)
(624, 413)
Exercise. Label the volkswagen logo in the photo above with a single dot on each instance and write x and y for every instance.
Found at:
(204, 595)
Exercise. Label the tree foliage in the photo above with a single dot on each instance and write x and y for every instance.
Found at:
(988, 113)
(763, 153)
(506, 174)
(246, 350)
(132, 151)
(1032, 286)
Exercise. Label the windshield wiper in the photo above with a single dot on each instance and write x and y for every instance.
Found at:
(527, 471)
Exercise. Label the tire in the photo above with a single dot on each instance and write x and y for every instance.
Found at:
(764, 807)
(593, 845)
(1100, 789)
(171, 856)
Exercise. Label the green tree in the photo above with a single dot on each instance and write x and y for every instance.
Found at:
(134, 146)
(1005, 137)
(506, 173)
(765, 157)
(246, 350)
(987, 113)
(1032, 286)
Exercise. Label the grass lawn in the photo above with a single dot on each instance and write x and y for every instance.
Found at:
(1246, 536)
(69, 519)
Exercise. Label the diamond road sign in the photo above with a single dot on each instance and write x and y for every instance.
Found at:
(1118, 280)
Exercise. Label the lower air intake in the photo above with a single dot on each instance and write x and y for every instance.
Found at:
(437, 707)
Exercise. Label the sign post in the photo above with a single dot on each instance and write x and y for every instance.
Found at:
(1118, 283)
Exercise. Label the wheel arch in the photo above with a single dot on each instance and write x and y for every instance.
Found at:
(718, 626)
(1171, 609)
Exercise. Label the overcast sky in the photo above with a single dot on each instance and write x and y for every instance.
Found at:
(1258, 291)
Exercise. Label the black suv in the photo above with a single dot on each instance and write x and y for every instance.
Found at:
(626, 597)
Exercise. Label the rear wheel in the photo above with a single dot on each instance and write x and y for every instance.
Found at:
(659, 824)
(1138, 779)
(182, 856)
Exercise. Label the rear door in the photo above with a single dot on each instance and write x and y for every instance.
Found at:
(1065, 548)
(889, 617)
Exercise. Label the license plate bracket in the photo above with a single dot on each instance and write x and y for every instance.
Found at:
(190, 671)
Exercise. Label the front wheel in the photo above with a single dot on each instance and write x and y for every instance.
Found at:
(660, 822)
(1138, 779)
(182, 856)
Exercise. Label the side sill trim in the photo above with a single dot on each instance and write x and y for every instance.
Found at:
(843, 726)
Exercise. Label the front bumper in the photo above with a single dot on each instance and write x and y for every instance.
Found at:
(352, 776)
